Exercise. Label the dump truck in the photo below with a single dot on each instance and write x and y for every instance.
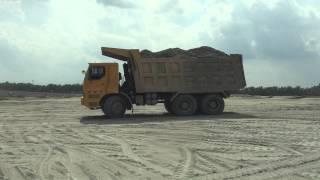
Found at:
(186, 85)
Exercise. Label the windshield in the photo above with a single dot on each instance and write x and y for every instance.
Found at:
(96, 72)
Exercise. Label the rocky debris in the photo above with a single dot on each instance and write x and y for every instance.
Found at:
(203, 51)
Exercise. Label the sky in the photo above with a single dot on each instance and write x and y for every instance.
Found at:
(52, 41)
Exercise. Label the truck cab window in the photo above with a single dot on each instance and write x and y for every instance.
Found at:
(97, 72)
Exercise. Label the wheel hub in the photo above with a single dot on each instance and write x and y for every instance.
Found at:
(213, 104)
(185, 105)
(116, 107)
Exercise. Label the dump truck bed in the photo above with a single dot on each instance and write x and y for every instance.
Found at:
(189, 75)
(183, 74)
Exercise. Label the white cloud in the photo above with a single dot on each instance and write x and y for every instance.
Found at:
(52, 41)
(117, 3)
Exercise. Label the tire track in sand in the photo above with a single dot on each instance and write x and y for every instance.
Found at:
(212, 163)
(43, 169)
(78, 169)
(127, 150)
(271, 170)
(104, 162)
(185, 166)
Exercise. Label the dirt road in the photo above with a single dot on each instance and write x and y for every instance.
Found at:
(257, 138)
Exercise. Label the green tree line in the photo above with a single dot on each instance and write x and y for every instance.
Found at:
(77, 88)
(282, 91)
(54, 88)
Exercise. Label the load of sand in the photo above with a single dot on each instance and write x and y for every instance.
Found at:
(199, 52)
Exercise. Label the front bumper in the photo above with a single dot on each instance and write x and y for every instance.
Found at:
(90, 103)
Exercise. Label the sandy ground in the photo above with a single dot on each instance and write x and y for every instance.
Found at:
(256, 138)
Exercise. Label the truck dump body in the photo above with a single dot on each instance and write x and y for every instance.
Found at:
(189, 75)
(182, 73)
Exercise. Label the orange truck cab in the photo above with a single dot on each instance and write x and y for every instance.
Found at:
(101, 79)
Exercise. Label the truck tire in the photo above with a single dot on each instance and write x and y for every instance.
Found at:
(184, 105)
(212, 104)
(114, 107)
(167, 106)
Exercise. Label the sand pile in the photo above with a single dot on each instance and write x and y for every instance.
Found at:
(203, 51)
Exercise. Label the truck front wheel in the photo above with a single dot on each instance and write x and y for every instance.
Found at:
(114, 107)
(184, 105)
(212, 104)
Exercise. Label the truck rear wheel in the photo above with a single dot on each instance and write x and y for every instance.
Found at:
(212, 104)
(114, 107)
(184, 105)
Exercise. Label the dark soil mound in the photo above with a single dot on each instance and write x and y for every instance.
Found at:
(164, 53)
(203, 51)
(206, 51)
